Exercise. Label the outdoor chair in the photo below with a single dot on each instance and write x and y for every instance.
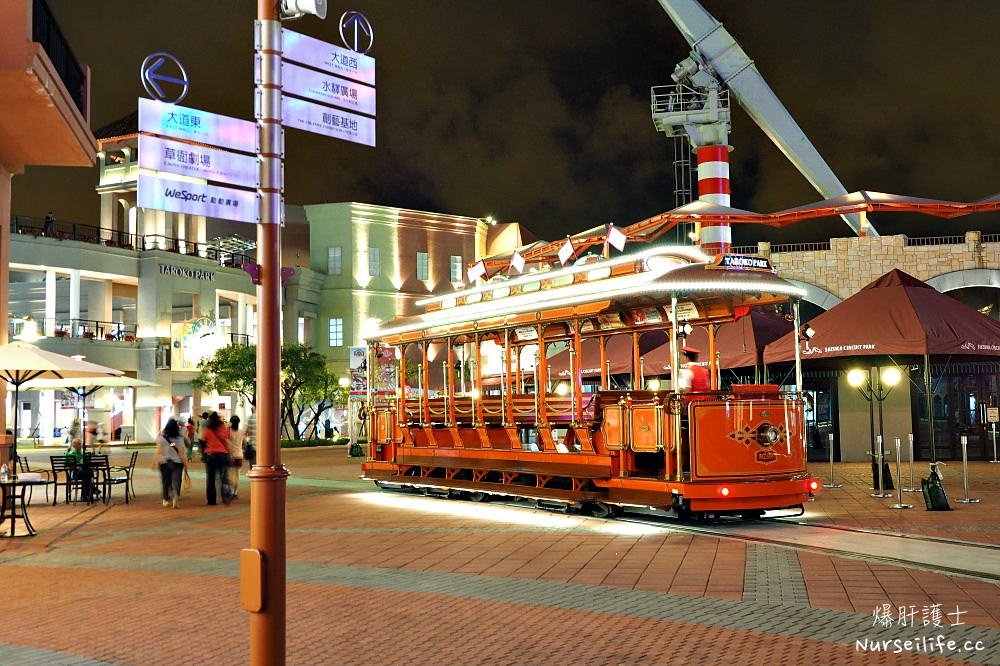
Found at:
(122, 474)
(25, 468)
(72, 481)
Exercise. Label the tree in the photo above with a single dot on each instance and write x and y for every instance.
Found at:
(303, 372)
(232, 369)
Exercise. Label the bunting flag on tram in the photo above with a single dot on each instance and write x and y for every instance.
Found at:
(615, 237)
(517, 262)
(566, 252)
(477, 271)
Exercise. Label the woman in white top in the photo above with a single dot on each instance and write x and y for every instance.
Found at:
(237, 440)
(171, 462)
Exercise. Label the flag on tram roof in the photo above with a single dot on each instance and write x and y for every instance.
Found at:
(566, 251)
(615, 237)
(477, 271)
(517, 262)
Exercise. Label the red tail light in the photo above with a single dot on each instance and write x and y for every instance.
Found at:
(813, 485)
(724, 491)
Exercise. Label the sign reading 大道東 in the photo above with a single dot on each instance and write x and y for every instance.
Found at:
(180, 122)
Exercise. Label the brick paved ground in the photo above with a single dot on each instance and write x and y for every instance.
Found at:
(394, 579)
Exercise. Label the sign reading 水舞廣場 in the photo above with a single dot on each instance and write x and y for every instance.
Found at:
(179, 122)
(328, 89)
(177, 196)
(300, 114)
(327, 57)
(186, 159)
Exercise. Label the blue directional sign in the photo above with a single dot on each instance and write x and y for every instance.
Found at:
(154, 76)
(327, 57)
(339, 124)
(327, 88)
(359, 36)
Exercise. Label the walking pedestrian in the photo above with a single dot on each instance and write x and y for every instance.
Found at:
(251, 452)
(189, 431)
(237, 440)
(216, 436)
(171, 460)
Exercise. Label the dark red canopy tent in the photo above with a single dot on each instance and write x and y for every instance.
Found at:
(896, 315)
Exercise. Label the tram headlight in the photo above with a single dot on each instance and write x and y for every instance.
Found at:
(768, 435)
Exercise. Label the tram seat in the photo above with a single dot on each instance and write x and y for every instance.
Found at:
(558, 408)
(493, 410)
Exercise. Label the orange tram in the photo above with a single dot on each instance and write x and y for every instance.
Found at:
(590, 438)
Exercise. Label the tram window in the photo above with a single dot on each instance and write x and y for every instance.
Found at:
(562, 281)
(530, 286)
(501, 292)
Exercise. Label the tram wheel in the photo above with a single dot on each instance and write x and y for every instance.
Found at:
(751, 515)
(602, 510)
(479, 497)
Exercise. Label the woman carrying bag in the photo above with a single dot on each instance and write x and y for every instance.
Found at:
(171, 461)
(216, 436)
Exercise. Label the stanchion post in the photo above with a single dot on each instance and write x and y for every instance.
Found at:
(911, 489)
(965, 471)
(831, 484)
(899, 488)
(879, 460)
(993, 436)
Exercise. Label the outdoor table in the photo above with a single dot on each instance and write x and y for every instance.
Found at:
(14, 506)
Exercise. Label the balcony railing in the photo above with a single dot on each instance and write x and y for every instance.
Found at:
(80, 328)
(46, 32)
(61, 230)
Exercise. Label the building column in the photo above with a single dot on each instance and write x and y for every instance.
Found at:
(46, 417)
(99, 301)
(50, 303)
(199, 232)
(74, 294)
(239, 324)
(107, 215)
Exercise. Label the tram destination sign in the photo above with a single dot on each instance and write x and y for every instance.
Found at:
(327, 88)
(303, 115)
(181, 196)
(327, 57)
(180, 122)
(187, 159)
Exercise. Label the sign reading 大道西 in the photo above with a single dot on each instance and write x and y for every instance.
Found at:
(327, 57)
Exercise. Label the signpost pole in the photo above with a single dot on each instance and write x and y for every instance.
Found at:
(268, 477)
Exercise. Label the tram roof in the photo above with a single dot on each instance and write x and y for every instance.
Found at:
(635, 288)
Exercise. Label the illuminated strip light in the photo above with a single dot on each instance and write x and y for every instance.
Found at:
(683, 252)
(582, 293)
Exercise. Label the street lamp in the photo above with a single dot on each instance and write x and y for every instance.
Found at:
(871, 384)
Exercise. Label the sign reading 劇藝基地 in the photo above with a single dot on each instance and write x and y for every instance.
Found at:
(300, 114)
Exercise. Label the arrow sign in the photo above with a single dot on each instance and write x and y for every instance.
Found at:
(151, 77)
(357, 20)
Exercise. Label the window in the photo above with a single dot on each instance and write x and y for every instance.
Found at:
(374, 262)
(334, 260)
(336, 332)
(423, 262)
(456, 269)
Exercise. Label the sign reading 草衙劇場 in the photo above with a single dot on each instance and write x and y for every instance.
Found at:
(185, 159)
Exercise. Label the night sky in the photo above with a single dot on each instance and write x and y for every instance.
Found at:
(538, 112)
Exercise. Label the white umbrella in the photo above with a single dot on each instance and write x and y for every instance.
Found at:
(21, 363)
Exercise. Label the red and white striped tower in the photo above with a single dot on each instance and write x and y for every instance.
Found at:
(713, 187)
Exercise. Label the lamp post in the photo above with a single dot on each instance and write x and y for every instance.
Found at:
(262, 565)
(872, 385)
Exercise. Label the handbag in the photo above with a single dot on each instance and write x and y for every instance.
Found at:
(187, 480)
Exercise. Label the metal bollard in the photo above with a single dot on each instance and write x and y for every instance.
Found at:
(993, 434)
(881, 477)
(912, 488)
(899, 487)
(831, 484)
(965, 471)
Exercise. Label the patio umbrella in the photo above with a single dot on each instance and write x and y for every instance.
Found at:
(21, 363)
(86, 386)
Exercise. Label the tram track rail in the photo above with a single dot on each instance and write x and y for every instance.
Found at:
(755, 532)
